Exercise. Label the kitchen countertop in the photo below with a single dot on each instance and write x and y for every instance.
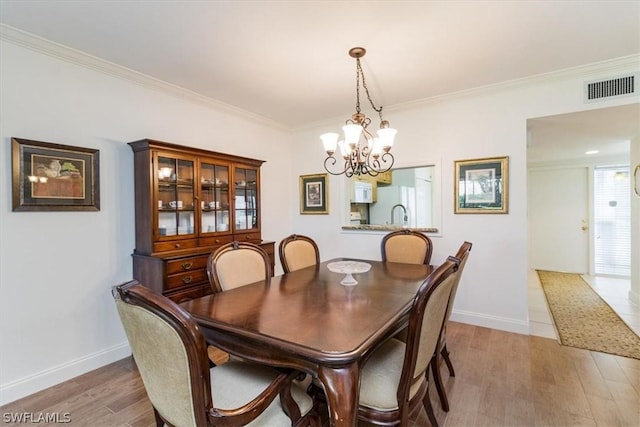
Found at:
(374, 227)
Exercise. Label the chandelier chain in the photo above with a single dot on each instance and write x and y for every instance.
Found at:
(360, 74)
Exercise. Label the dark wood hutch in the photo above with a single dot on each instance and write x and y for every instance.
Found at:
(189, 202)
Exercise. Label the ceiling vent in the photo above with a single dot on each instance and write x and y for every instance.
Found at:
(620, 86)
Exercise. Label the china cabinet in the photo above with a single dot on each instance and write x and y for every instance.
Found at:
(189, 202)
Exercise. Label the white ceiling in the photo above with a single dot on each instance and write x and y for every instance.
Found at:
(287, 60)
(570, 136)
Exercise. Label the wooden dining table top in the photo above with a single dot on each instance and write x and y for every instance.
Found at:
(310, 315)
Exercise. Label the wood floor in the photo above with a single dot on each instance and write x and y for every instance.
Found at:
(502, 379)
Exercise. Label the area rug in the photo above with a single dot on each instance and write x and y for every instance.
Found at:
(585, 320)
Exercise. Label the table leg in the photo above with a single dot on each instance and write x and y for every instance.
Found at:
(342, 388)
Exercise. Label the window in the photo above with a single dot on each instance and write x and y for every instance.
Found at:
(612, 219)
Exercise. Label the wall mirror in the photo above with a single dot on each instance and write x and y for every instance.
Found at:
(405, 197)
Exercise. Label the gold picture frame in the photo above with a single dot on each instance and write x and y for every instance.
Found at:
(314, 194)
(481, 186)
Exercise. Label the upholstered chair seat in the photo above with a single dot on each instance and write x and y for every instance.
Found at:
(228, 392)
(381, 377)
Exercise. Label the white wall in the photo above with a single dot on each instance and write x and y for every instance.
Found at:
(57, 317)
(483, 123)
(57, 268)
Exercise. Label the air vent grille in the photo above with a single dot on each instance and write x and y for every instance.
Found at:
(620, 86)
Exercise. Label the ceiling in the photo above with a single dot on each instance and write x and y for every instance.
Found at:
(287, 61)
(569, 136)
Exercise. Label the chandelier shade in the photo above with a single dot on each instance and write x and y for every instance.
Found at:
(362, 153)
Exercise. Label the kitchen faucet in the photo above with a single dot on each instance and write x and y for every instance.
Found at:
(405, 218)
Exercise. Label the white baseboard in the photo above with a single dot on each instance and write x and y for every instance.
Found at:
(501, 323)
(26, 386)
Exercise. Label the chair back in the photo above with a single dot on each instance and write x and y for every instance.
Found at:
(237, 264)
(161, 335)
(425, 325)
(406, 246)
(297, 252)
(462, 255)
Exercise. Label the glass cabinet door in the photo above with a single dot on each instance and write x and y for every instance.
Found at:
(214, 197)
(176, 215)
(246, 199)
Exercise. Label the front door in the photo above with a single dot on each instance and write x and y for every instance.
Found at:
(558, 219)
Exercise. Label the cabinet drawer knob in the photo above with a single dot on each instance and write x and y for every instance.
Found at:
(177, 245)
(187, 279)
(187, 265)
(217, 240)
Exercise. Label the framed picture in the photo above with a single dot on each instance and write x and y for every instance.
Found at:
(314, 194)
(482, 185)
(54, 177)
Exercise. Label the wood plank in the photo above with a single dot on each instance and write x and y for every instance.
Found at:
(505, 380)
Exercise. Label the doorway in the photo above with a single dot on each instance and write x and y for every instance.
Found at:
(556, 157)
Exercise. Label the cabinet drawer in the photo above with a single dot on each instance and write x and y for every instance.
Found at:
(176, 244)
(190, 293)
(187, 264)
(186, 278)
(216, 240)
(249, 237)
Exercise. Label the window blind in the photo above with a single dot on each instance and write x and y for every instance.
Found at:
(612, 220)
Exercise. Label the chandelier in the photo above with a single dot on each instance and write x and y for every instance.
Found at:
(362, 152)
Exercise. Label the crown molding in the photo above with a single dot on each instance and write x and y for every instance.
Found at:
(41, 45)
(588, 71)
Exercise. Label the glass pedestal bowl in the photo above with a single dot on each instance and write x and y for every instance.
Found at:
(348, 268)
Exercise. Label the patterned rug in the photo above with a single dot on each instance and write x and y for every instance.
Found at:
(583, 319)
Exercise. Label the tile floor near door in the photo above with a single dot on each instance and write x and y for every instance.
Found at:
(614, 291)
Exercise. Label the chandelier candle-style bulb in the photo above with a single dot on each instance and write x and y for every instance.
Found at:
(345, 150)
(387, 135)
(362, 153)
(330, 142)
(376, 148)
(352, 135)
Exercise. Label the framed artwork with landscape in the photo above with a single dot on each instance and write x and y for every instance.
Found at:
(482, 186)
(314, 194)
(54, 177)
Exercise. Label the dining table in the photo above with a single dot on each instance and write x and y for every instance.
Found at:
(309, 321)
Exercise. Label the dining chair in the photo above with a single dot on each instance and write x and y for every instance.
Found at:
(442, 353)
(181, 386)
(406, 246)
(395, 378)
(298, 251)
(231, 266)
(237, 264)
